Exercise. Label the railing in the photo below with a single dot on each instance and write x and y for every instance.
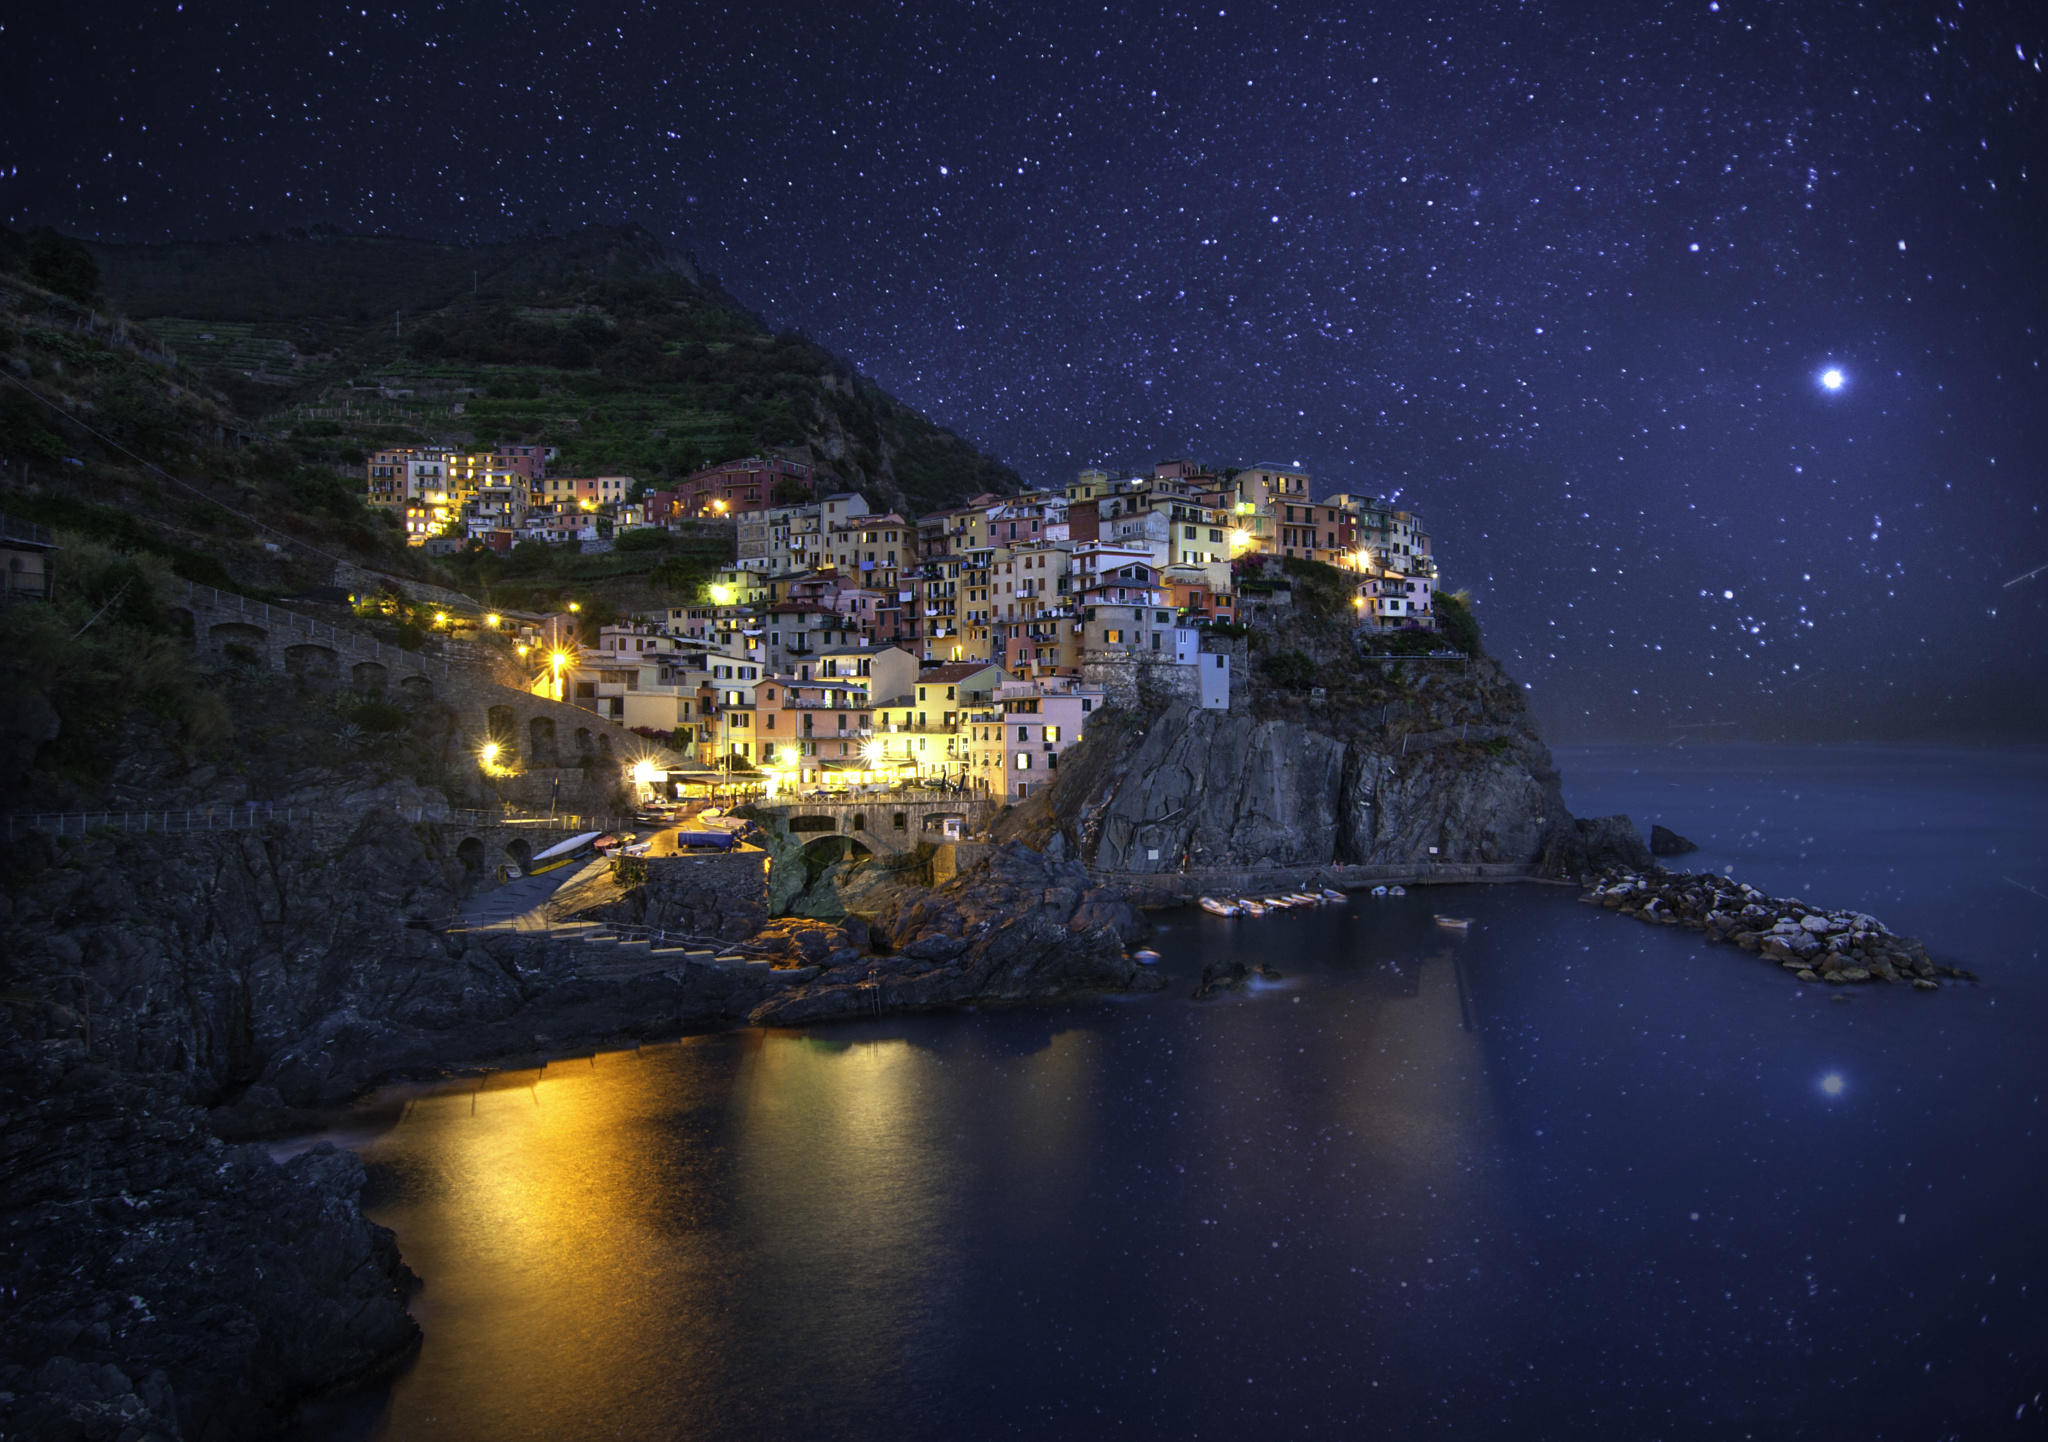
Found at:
(192, 821)
(177, 823)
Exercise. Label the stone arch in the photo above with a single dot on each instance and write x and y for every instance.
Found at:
(604, 745)
(502, 722)
(856, 822)
(584, 745)
(540, 732)
(470, 852)
(518, 852)
(415, 690)
(186, 623)
(226, 634)
(823, 825)
(855, 845)
(312, 660)
(369, 676)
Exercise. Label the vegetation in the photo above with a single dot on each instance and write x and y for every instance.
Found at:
(600, 343)
(1454, 618)
(1292, 669)
(1320, 590)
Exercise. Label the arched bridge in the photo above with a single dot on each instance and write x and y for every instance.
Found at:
(887, 824)
(531, 731)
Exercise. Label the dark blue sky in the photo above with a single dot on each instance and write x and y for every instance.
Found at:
(1566, 277)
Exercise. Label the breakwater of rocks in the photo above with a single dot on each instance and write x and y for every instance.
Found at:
(1809, 942)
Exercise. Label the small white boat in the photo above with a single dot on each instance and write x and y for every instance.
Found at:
(1454, 923)
(1217, 908)
(1279, 903)
(1145, 956)
(1305, 898)
(1397, 891)
(1378, 891)
(1332, 894)
(1251, 908)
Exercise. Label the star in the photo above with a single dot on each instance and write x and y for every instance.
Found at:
(1832, 378)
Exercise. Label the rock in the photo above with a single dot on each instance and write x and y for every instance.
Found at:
(1665, 842)
(1855, 973)
(1921, 983)
(209, 1292)
(1807, 974)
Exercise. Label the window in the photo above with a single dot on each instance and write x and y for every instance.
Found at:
(1112, 638)
(1023, 760)
(1052, 733)
(1023, 733)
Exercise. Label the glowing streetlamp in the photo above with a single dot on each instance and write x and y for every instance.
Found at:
(492, 620)
(575, 605)
(722, 595)
(488, 754)
(645, 772)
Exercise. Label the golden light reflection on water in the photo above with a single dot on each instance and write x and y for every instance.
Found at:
(782, 1231)
(603, 1234)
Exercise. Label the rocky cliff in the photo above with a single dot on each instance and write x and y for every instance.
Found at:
(1418, 763)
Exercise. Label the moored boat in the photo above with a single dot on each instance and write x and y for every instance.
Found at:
(1145, 956)
(1454, 923)
(1217, 908)
(1330, 893)
(576, 848)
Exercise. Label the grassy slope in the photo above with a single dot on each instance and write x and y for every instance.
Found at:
(600, 342)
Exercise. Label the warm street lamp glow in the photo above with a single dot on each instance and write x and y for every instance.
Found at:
(872, 751)
(492, 620)
(722, 595)
(645, 772)
(1240, 540)
(558, 659)
(440, 618)
(488, 753)
(522, 648)
(575, 605)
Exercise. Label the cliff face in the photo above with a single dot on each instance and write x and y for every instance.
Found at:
(1447, 760)
(1444, 766)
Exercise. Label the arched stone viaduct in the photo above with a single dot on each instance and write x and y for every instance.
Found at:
(534, 731)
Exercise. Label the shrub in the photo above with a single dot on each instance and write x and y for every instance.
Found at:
(1291, 669)
(1454, 616)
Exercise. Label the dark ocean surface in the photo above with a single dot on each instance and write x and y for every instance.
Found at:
(1565, 1175)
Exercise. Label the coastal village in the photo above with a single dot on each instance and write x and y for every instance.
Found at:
(967, 648)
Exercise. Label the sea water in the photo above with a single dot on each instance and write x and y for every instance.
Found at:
(1560, 1175)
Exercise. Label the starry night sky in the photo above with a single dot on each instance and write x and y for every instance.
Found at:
(1564, 277)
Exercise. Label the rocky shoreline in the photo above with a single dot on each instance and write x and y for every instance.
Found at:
(1810, 943)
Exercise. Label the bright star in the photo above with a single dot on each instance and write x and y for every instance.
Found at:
(1832, 378)
(1832, 1083)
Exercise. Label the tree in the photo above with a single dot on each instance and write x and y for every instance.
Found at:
(1454, 617)
(789, 491)
(528, 558)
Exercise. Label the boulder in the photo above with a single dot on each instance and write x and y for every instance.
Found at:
(1666, 842)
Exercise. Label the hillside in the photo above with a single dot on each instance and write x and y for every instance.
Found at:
(601, 342)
